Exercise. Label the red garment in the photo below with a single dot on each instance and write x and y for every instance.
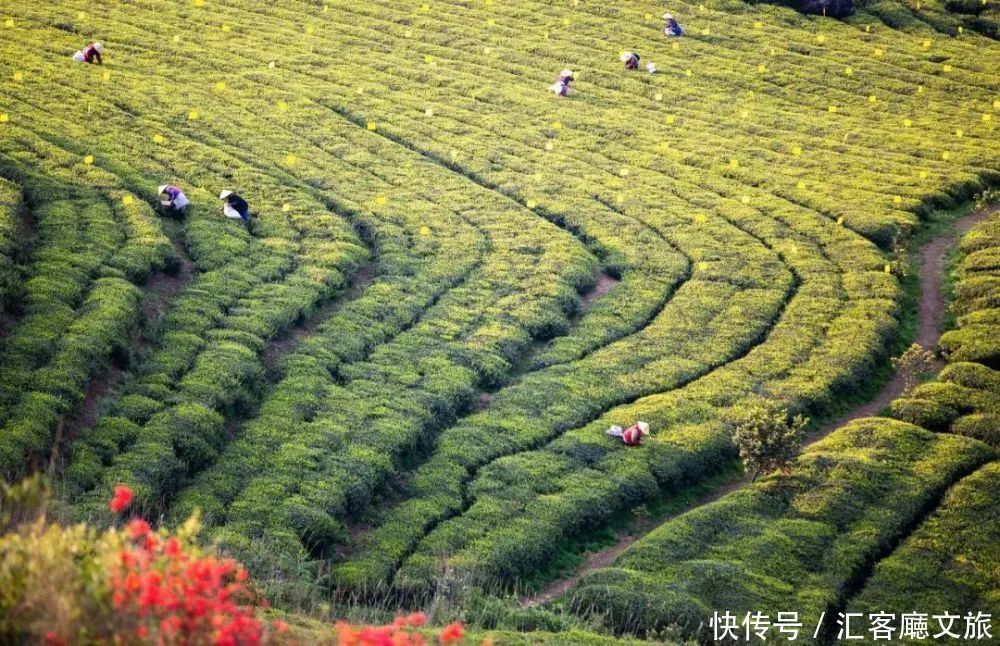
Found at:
(632, 436)
(90, 54)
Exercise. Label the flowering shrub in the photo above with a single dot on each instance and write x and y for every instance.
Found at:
(62, 585)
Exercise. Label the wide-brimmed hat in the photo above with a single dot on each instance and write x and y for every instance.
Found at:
(643, 427)
(625, 56)
(224, 194)
(565, 74)
(162, 188)
(667, 16)
(99, 47)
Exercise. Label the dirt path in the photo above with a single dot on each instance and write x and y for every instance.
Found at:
(282, 345)
(930, 314)
(158, 293)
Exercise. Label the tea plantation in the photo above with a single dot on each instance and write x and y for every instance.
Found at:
(391, 389)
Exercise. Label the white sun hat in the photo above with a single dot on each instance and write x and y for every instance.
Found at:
(643, 427)
(224, 194)
(162, 188)
(565, 73)
(667, 16)
(99, 47)
(625, 56)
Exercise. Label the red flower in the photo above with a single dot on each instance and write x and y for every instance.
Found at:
(280, 627)
(451, 633)
(138, 528)
(121, 499)
(173, 547)
(417, 619)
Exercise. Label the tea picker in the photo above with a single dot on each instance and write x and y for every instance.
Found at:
(561, 86)
(235, 207)
(630, 60)
(631, 436)
(672, 28)
(90, 54)
(176, 202)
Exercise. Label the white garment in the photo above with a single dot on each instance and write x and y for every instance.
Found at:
(232, 213)
(181, 201)
(78, 57)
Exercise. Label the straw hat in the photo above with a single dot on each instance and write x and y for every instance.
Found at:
(625, 56)
(667, 16)
(643, 427)
(224, 194)
(566, 74)
(162, 188)
(99, 47)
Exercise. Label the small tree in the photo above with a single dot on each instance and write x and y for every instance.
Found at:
(767, 436)
(913, 365)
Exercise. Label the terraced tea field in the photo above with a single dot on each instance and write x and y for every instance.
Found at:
(393, 386)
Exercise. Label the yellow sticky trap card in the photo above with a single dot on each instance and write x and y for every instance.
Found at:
(310, 29)
(675, 46)
(897, 199)
(177, 38)
(9, 22)
(624, 172)
(371, 125)
(959, 132)
(840, 220)
(923, 174)
(879, 52)
(225, 29)
(848, 71)
(887, 269)
(734, 163)
(907, 122)
(291, 160)
(88, 160)
(381, 200)
(549, 145)
(220, 86)
(946, 155)
(18, 76)
(658, 96)
(796, 150)
(429, 112)
(947, 68)
(282, 106)
(832, 108)
(531, 204)
(762, 68)
(428, 59)
(800, 185)
(425, 8)
(425, 231)
(745, 199)
(987, 117)
(702, 265)
(271, 65)
(128, 200)
(670, 119)
(872, 98)
(193, 115)
(688, 73)
(158, 139)
(80, 15)
(557, 125)
(4, 118)
(926, 44)
(821, 39)
(758, 25)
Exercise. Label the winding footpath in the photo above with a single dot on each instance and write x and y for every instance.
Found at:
(931, 308)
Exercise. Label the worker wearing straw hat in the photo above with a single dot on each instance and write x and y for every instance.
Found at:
(672, 28)
(235, 207)
(90, 54)
(174, 200)
(631, 436)
(561, 86)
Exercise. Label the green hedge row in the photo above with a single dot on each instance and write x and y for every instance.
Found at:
(784, 542)
(951, 563)
(965, 399)
(10, 227)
